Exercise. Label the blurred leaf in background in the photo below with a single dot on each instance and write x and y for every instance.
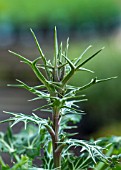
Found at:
(73, 12)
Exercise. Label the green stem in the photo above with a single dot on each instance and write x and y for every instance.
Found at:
(56, 155)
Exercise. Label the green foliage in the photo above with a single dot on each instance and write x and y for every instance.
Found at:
(48, 139)
(22, 147)
(68, 12)
(103, 99)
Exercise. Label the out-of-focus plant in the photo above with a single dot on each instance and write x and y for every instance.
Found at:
(80, 12)
(49, 139)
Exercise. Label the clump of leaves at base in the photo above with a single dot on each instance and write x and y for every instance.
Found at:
(50, 142)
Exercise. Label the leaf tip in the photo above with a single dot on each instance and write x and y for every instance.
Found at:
(90, 46)
(8, 85)
(31, 30)
(55, 29)
(102, 48)
(18, 80)
(115, 77)
(10, 51)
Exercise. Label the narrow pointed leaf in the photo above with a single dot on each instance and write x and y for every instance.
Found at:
(21, 57)
(76, 97)
(84, 69)
(39, 108)
(34, 91)
(69, 62)
(36, 60)
(38, 46)
(15, 85)
(36, 98)
(70, 109)
(68, 77)
(39, 87)
(44, 66)
(35, 69)
(40, 51)
(78, 60)
(107, 79)
(20, 117)
(88, 59)
(62, 65)
(39, 75)
(92, 82)
(55, 46)
(60, 53)
(67, 46)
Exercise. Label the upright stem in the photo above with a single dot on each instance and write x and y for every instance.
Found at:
(56, 155)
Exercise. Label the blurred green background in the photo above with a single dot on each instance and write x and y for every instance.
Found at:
(86, 22)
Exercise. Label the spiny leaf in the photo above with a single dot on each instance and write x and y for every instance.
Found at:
(92, 82)
(39, 75)
(36, 60)
(67, 77)
(35, 69)
(62, 65)
(15, 85)
(102, 80)
(84, 62)
(77, 98)
(67, 46)
(21, 57)
(36, 98)
(55, 46)
(71, 73)
(38, 46)
(78, 60)
(39, 87)
(60, 53)
(73, 110)
(34, 91)
(40, 51)
(84, 69)
(45, 66)
(39, 108)
(91, 148)
(69, 62)
(20, 117)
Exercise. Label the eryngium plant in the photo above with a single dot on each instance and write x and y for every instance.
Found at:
(51, 137)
